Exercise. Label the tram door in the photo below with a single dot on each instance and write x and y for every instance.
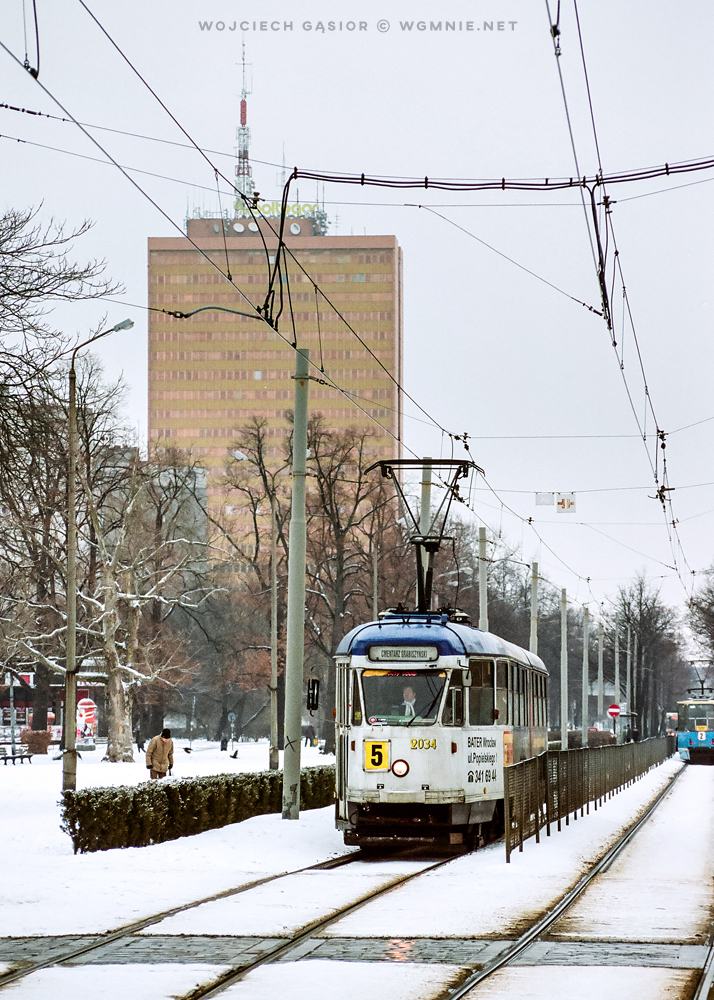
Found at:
(342, 737)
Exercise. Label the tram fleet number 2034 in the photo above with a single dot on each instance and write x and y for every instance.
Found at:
(429, 713)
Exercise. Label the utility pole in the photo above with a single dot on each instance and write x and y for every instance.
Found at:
(586, 674)
(563, 670)
(482, 581)
(600, 677)
(533, 646)
(634, 681)
(375, 580)
(274, 753)
(295, 643)
(69, 759)
(628, 682)
(617, 657)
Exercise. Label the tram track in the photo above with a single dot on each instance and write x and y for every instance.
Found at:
(284, 948)
(544, 923)
(537, 930)
(210, 990)
(128, 930)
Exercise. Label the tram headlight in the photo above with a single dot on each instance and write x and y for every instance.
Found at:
(400, 768)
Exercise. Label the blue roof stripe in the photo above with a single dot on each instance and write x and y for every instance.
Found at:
(450, 638)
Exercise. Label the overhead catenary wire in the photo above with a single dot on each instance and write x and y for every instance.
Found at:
(510, 259)
(555, 35)
(663, 489)
(335, 386)
(667, 169)
(176, 226)
(281, 246)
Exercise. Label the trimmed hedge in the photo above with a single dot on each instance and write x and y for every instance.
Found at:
(98, 819)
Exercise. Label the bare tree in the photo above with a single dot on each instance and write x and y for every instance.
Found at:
(658, 650)
(33, 497)
(151, 560)
(36, 270)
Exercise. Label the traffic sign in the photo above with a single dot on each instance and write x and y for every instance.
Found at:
(613, 711)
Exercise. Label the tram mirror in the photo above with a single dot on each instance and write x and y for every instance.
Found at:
(466, 678)
(313, 694)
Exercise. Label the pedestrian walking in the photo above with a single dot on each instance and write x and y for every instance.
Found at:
(309, 735)
(160, 755)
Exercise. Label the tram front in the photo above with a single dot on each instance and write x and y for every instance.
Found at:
(420, 755)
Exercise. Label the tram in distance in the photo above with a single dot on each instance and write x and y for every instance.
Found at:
(430, 710)
(695, 731)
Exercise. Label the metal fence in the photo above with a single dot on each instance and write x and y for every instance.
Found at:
(554, 786)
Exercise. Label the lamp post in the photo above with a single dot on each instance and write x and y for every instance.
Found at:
(69, 758)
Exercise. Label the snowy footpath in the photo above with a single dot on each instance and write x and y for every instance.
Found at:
(48, 891)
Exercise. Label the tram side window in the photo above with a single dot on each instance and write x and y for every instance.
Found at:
(454, 706)
(511, 695)
(539, 699)
(518, 696)
(502, 692)
(481, 693)
(356, 701)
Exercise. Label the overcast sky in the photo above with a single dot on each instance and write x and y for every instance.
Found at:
(489, 349)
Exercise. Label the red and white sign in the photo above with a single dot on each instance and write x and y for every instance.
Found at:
(613, 711)
(86, 711)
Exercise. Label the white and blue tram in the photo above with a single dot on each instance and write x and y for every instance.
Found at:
(429, 712)
(695, 731)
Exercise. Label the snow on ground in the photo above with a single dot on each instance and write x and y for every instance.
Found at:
(281, 908)
(109, 982)
(628, 904)
(480, 896)
(313, 979)
(584, 982)
(48, 890)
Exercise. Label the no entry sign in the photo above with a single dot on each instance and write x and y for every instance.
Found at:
(613, 711)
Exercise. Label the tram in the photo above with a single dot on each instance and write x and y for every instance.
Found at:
(695, 731)
(430, 710)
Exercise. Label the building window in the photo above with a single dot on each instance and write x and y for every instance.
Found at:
(357, 277)
(257, 376)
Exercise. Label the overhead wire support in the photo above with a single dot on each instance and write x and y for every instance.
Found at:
(662, 492)
(501, 184)
(555, 35)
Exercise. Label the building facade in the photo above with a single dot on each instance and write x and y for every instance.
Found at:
(213, 373)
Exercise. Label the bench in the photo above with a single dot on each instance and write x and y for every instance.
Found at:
(21, 755)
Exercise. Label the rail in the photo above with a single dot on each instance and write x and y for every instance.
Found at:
(547, 789)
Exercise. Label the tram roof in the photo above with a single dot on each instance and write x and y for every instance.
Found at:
(451, 638)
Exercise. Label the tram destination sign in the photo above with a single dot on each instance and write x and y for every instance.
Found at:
(404, 653)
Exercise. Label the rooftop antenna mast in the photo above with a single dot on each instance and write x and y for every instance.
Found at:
(245, 185)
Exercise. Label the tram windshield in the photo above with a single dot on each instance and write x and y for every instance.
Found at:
(402, 697)
(695, 715)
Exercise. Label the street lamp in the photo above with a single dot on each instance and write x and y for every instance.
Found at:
(69, 759)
